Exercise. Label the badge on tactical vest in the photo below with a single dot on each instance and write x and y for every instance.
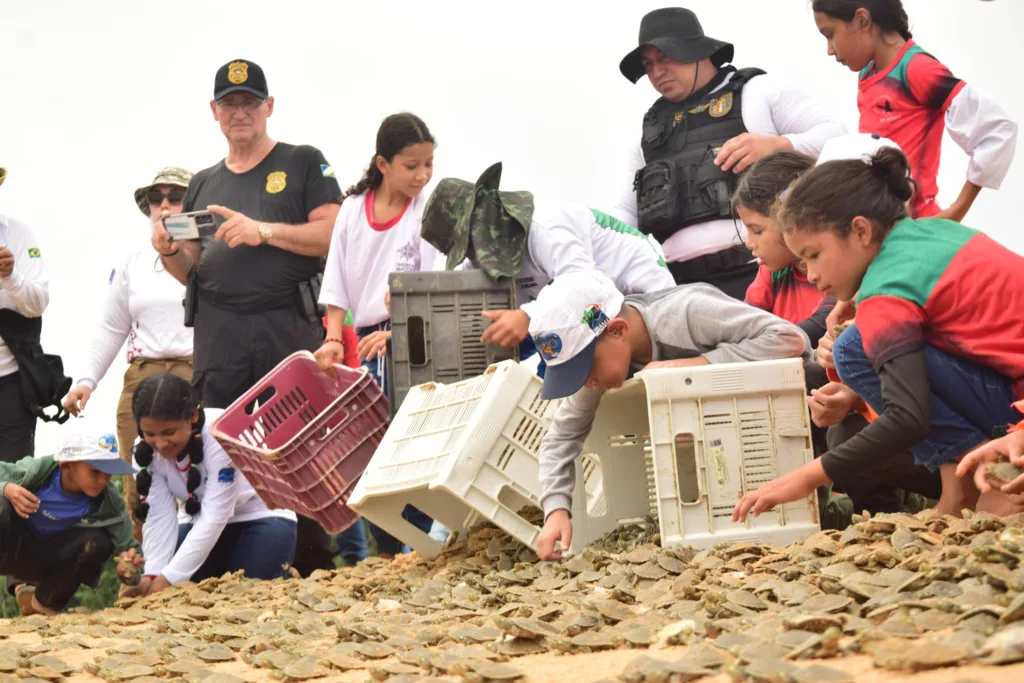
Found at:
(276, 182)
(721, 106)
(238, 72)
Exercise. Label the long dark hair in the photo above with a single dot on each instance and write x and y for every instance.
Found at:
(830, 196)
(763, 182)
(396, 132)
(887, 15)
(167, 397)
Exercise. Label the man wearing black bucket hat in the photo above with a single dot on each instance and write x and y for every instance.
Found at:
(711, 122)
(256, 282)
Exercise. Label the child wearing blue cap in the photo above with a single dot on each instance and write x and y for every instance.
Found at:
(61, 518)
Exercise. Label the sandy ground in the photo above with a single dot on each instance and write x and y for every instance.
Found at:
(559, 668)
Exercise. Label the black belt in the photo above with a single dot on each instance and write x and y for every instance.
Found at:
(720, 261)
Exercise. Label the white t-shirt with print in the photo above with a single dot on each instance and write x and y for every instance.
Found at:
(566, 237)
(143, 306)
(363, 252)
(224, 495)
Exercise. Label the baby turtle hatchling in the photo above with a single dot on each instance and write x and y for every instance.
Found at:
(492, 672)
(125, 672)
(301, 669)
(383, 672)
(1003, 471)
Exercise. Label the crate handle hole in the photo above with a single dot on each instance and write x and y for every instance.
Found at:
(417, 341)
(260, 400)
(686, 468)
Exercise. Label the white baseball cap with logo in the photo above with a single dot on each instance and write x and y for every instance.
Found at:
(569, 316)
(85, 441)
(853, 146)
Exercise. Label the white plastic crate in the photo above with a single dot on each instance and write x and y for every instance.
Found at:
(709, 435)
(463, 451)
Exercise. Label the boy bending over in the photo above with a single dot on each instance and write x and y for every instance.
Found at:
(592, 339)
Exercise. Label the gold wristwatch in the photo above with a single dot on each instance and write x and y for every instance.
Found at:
(266, 233)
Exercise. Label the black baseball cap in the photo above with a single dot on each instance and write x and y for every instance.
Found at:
(240, 75)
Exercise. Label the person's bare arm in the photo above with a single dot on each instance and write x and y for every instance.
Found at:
(312, 238)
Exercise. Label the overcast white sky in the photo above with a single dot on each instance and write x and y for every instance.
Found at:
(96, 96)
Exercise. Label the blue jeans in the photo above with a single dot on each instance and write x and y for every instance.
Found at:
(351, 544)
(262, 547)
(970, 403)
(386, 543)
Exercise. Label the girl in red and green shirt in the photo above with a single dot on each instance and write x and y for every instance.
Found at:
(938, 346)
(908, 96)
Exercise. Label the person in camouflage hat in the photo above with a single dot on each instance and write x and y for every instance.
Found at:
(143, 307)
(173, 177)
(516, 235)
(479, 222)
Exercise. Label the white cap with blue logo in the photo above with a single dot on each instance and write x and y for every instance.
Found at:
(570, 314)
(82, 440)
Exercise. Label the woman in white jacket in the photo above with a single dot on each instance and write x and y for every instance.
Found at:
(228, 527)
(143, 306)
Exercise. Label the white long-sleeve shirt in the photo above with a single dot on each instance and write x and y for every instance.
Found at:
(143, 306)
(771, 106)
(566, 237)
(363, 252)
(27, 289)
(983, 129)
(224, 494)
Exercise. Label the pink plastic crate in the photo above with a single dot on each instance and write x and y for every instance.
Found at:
(309, 440)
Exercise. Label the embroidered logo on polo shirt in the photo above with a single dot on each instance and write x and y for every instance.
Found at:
(34, 253)
(276, 181)
(238, 72)
(326, 171)
(226, 475)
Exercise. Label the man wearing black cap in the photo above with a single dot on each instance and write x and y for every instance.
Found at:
(256, 282)
(711, 123)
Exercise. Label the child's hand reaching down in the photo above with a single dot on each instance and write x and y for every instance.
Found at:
(557, 527)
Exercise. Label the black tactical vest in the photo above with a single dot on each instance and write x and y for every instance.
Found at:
(681, 185)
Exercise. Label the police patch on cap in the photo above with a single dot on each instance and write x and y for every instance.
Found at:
(238, 72)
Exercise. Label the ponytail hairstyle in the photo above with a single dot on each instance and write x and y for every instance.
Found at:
(830, 196)
(763, 182)
(887, 15)
(396, 132)
(167, 397)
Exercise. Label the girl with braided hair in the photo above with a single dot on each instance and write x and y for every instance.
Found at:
(225, 525)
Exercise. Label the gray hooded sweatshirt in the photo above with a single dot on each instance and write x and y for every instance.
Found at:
(684, 322)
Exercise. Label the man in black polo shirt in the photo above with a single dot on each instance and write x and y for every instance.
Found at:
(257, 280)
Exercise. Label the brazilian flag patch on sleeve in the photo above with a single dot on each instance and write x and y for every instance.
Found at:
(33, 252)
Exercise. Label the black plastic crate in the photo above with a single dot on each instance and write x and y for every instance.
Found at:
(436, 324)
